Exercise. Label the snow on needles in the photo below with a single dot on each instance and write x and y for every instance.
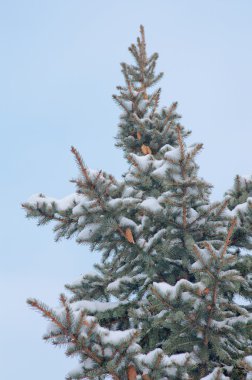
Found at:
(39, 200)
(172, 292)
(151, 204)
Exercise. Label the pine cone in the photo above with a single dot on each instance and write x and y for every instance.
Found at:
(128, 235)
(139, 135)
(132, 375)
(146, 149)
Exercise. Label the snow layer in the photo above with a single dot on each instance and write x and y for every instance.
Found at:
(143, 162)
(151, 204)
(88, 231)
(242, 208)
(95, 306)
(116, 337)
(172, 292)
(215, 376)
(38, 200)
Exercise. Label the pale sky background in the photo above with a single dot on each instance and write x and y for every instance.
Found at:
(59, 66)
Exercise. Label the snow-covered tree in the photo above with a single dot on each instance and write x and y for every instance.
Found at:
(164, 301)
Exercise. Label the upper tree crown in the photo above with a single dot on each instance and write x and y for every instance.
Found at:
(142, 128)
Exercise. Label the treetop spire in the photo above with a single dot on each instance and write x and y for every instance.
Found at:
(143, 128)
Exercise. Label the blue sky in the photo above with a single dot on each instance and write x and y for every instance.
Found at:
(59, 66)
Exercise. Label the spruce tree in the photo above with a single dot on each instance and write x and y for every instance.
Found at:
(163, 303)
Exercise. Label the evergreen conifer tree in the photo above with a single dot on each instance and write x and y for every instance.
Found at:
(163, 302)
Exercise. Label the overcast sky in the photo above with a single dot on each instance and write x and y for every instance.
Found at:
(58, 69)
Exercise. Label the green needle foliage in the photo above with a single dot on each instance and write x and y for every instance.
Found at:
(170, 298)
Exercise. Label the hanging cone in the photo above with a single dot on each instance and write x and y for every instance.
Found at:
(206, 291)
(149, 150)
(128, 235)
(146, 377)
(132, 375)
(146, 149)
(145, 96)
(139, 135)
